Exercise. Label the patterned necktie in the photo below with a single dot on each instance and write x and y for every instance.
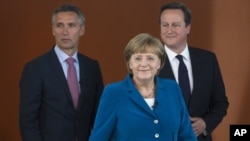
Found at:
(72, 81)
(183, 79)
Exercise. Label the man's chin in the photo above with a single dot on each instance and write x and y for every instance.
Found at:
(66, 46)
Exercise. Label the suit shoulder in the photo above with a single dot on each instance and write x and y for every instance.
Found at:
(201, 52)
(86, 58)
(113, 89)
(115, 85)
(43, 58)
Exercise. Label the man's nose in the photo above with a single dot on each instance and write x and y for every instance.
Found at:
(65, 30)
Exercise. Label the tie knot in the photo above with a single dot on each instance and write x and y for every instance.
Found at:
(70, 60)
(179, 57)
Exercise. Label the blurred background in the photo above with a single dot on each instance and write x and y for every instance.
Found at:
(219, 26)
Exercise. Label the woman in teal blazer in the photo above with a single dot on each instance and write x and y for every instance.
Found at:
(143, 107)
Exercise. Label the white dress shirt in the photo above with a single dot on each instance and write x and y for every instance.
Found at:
(62, 56)
(174, 62)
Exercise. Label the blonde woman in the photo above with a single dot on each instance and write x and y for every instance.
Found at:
(143, 107)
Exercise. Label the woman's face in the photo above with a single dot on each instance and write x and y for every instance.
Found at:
(144, 66)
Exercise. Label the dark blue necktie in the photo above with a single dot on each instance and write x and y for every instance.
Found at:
(183, 79)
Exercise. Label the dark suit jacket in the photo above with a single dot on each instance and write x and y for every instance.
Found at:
(46, 108)
(208, 99)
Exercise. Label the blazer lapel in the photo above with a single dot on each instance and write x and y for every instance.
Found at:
(136, 97)
(140, 102)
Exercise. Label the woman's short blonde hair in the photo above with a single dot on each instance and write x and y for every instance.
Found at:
(144, 43)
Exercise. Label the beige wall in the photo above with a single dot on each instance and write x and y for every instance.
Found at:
(219, 26)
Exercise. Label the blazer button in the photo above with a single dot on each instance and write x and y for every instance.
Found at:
(157, 135)
(156, 121)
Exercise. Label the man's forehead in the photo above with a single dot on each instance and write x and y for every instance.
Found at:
(66, 15)
(66, 18)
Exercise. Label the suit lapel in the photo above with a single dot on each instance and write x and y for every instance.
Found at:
(83, 80)
(59, 72)
(196, 63)
(167, 71)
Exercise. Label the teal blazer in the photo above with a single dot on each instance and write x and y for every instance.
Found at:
(123, 115)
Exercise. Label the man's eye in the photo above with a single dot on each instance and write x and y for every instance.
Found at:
(176, 25)
(59, 25)
(164, 25)
(71, 25)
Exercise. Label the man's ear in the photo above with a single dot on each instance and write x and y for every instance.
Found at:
(82, 30)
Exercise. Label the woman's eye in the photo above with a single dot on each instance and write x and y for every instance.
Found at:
(137, 58)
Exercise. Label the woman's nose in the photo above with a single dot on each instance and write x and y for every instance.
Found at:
(144, 62)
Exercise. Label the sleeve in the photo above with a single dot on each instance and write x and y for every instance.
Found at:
(219, 102)
(99, 88)
(30, 100)
(106, 116)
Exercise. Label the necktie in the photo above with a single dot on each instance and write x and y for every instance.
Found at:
(72, 81)
(183, 79)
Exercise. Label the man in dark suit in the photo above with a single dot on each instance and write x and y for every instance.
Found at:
(208, 103)
(48, 112)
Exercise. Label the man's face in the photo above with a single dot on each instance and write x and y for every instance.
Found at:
(67, 30)
(173, 28)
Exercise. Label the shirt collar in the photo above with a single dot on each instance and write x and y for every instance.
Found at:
(171, 55)
(62, 56)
